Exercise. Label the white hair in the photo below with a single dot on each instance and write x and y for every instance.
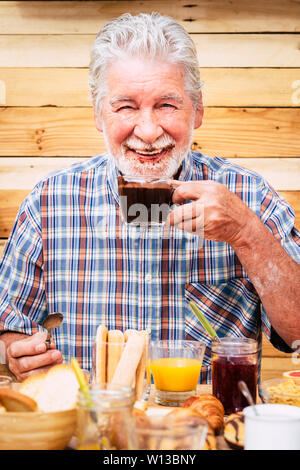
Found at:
(150, 36)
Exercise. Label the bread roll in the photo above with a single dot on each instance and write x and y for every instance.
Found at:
(13, 400)
(32, 384)
(58, 390)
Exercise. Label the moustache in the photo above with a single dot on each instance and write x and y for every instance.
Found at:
(135, 143)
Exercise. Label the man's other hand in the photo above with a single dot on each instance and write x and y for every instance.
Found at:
(28, 356)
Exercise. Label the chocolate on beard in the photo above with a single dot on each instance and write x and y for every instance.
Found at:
(144, 201)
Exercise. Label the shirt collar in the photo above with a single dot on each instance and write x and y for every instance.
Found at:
(186, 172)
(112, 178)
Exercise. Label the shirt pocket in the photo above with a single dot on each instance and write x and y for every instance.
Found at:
(229, 307)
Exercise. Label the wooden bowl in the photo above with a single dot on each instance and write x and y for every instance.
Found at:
(37, 430)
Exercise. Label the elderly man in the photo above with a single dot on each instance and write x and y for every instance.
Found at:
(68, 251)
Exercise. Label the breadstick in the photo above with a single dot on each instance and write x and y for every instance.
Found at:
(114, 351)
(140, 376)
(132, 353)
(127, 333)
(100, 353)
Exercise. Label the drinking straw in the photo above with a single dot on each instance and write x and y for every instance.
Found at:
(83, 386)
(205, 323)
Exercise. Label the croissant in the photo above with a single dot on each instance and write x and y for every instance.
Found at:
(210, 408)
(182, 416)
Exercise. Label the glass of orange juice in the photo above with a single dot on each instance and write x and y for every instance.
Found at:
(175, 367)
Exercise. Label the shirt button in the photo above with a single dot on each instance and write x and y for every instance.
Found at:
(148, 277)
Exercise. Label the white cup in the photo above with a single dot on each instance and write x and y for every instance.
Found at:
(277, 427)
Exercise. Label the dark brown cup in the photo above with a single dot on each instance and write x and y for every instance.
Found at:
(144, 200)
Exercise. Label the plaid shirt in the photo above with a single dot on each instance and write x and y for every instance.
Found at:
(70, 252)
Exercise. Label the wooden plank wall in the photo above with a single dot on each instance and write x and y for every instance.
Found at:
(250, 63)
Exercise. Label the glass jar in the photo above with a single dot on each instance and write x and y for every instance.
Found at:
(167, 432)
(6, 381)
(102, 417)
(234, 359)
(140, 379)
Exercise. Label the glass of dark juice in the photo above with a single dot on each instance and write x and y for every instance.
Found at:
(234, 359)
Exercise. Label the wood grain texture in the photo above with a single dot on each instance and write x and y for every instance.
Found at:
(46, 86)
(10, 201)
(270, 351)
(249, 132)
(214, 50)
(65, 87)
(25, 172)
(247, 50)
(228, 132)
(272, 368)
(49, 132)
(281, 173)
(266, 87)
(3, 242)
(74, 17)
(293, 198)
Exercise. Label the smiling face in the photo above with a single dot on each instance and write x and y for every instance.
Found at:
(147, 117)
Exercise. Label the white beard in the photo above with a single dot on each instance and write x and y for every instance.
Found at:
(166, 167)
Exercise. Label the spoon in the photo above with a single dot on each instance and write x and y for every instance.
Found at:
(52, 321)
(246, 392)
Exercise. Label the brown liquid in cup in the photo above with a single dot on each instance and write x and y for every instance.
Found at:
(153, 196)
